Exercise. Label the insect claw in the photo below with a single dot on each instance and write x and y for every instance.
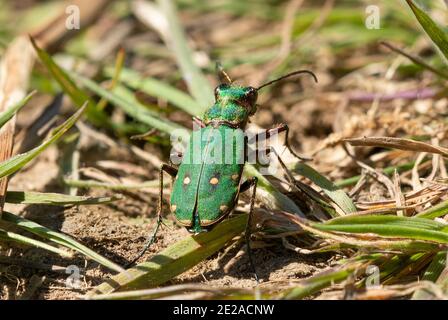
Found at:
(163, 223)
(257, 279)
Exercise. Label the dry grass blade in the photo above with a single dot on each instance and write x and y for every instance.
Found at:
(398, 143)
(15, 68)
(210, 292)
(119, 63)
(398, 291)
(55, 199)
(111, 186)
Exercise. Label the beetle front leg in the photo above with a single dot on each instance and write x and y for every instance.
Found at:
(198, 122)
(251, 182)
(273, 131)
(172, 172)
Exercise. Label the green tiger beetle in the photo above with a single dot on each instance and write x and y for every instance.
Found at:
(206, 191)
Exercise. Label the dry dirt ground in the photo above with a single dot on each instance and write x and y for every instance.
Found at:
(118, 231)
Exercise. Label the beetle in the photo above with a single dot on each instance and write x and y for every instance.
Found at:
(209, 179)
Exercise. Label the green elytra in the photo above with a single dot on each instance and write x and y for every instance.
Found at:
(209, 179)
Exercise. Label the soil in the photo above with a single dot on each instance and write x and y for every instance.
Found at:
(118, 232)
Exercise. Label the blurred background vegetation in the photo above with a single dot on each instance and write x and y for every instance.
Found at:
(375, 126)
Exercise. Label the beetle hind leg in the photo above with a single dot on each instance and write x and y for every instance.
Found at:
(251, 182)
(172, 172)
(281, 128)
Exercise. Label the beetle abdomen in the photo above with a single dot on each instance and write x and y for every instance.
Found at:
(207, 182)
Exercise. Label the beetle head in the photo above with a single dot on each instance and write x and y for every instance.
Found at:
(245, 97)
(235, 104)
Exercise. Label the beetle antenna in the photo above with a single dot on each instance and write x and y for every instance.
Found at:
(221, 72)
(287, 76)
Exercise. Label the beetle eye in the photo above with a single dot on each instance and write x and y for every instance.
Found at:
(219, 88)
(252, 94)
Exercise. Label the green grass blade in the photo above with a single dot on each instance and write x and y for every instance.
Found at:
(55, 199)
(11, 236)
(132, 108)
(197, 84)
(6, 115)
(391, 231)
(59, 238)
(388, 226)
(175, 259)
(389, 220)
(436, 211)
(156, 88)
(437, 35)
(15, 163)
(344, 241)
(330, 189)
(269, 195)
(319, 282)
(432, 273)
(78, 96)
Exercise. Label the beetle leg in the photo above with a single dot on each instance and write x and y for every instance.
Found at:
(198, 122)
(251, 182)
(289, 175)
(273, 131)
(172, 172)
(308, 191)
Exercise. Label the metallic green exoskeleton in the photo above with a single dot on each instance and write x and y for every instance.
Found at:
(206, 187)
(209, 178)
